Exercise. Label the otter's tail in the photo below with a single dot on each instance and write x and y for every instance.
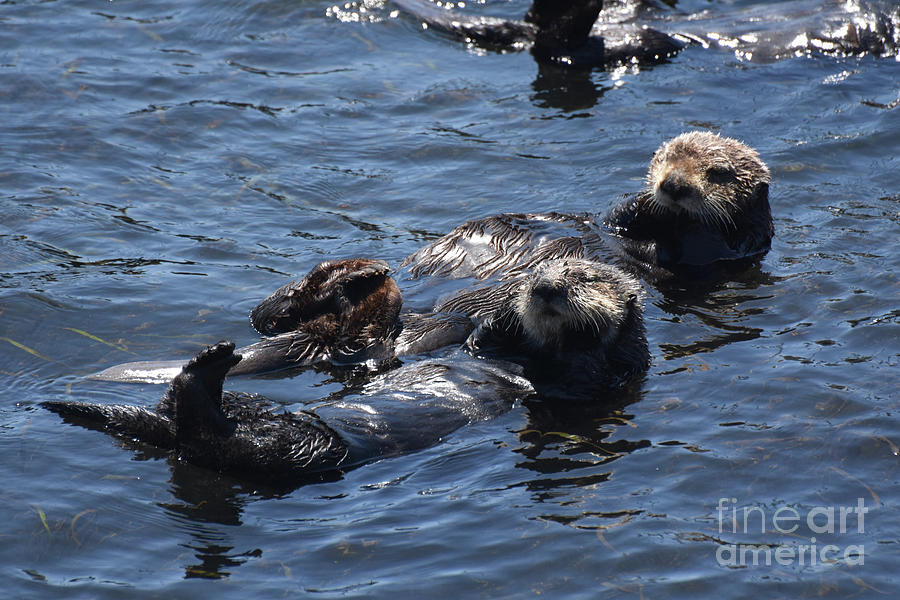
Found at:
(133, 421)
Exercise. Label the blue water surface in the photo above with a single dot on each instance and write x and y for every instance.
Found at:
(165, 165)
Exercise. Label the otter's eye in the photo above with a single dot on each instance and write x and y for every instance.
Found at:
(590, 279)
(720, 174)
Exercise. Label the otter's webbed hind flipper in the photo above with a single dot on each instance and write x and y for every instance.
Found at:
(228, 432)
(194, 398)
(241, 433)
(133, 421)
(200, 381)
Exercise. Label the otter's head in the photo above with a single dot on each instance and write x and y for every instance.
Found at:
(568, 302)
(712, 179)
(350, 297)
(354, 296)
(352, 283)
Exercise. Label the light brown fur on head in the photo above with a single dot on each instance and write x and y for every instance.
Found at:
(706, 176)
(569, 298)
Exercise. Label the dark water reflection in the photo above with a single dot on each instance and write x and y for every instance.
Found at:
(569, 90)
(163, 167)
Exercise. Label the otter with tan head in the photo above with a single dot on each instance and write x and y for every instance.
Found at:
(713, 179)
(580, 315)
(569, 321)
(706, 201)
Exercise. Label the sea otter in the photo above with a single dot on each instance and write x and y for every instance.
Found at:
(348, 311)
(571, 322)
(706, 201)
(569, 32)
(563, 32)
(342, 312)
(773, 31)
(564, 311)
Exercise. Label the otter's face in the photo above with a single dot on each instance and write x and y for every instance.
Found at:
(570, 300)
(706, 177)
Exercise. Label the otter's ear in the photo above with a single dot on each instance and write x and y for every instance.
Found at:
(631, 301)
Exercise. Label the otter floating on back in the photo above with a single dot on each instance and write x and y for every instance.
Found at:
(569, 32)
(567, 310)
(342, 312)
(790, 28)
(706, 201)
(562, 32)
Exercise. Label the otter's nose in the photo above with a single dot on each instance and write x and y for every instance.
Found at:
(675, 186)
(547, 291)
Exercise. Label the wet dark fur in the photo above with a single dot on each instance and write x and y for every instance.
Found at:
(341, 307)
(654, 241)
(227, 432)
(336, 300)
(598, 334)
(343, 312)
(556, 31)
(569, 33)
(349, 310)
(400, 411)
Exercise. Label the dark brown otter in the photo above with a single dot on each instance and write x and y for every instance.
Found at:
(706, 200)
(398, 412)
(563, 32)
(569, 32)
(235, 432)
(577, 314)
(338, 303)
(342, 312)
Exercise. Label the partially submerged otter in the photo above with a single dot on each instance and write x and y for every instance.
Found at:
(569, 32)
(563, 32)
(342, 312)
(348, 311)
(706, 201)
(572, 323)
(789, 28)
(567, 310)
